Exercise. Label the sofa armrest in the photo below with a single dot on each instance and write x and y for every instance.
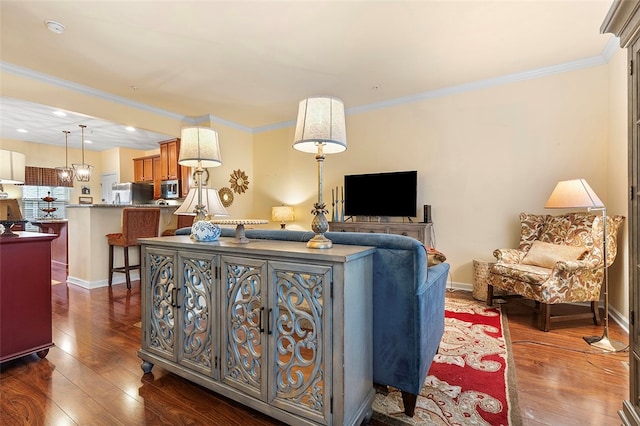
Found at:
(509, 255)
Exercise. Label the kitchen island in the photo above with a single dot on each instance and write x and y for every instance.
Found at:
(88, 225)
(59, 245)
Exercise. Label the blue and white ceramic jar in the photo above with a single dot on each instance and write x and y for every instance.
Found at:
(205, 231)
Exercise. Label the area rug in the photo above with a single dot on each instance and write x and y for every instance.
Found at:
(472, 378)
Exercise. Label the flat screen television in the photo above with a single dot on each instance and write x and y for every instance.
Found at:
(381, 194)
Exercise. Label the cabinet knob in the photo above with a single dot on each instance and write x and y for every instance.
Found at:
(404, 233)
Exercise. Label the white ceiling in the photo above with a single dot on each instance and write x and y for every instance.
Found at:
(249, 63)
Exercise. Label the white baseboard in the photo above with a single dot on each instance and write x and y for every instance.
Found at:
(89, 285)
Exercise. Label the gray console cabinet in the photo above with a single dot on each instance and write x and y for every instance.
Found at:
(273, 325)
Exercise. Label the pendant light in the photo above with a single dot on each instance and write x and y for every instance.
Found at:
(83, 171)
(66, 173)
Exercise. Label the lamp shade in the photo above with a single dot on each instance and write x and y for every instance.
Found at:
(199, 147)
(11, 167)
(282, 214)
(321, 121)
(573, 194)
(210, 201)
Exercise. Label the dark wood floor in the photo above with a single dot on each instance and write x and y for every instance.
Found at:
(93, 376)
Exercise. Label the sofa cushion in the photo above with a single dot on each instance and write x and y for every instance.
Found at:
(547, 255)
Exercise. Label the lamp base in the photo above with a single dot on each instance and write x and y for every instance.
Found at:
(319, 242)
(603, 342)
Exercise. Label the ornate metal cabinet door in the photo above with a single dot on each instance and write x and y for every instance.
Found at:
(299, 329)
(160, 293)
(243, 324)
(197, 312)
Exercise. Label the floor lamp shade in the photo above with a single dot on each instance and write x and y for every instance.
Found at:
(199, 147)
(12, 166)
(574, 193)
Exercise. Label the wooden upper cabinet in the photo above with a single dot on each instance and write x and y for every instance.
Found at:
(185, 180)
(157, 191)
(143, 169)
(169, 154)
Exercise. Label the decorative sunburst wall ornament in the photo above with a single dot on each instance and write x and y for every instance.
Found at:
(226, 196)
(239, 181)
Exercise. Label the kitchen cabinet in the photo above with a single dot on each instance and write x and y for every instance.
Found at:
(157, 190)
(169, 154)
(25, 295)
(185, 180)
(143, 169)
(274, 325)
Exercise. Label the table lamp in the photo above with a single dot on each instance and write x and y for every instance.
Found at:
(199, 148)
(320, 130)
(282, 214)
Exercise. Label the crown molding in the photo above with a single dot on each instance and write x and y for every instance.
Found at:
(610, 49)
(86, 90)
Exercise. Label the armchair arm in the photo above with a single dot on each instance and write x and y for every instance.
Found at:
(509, 255)
(572, 266)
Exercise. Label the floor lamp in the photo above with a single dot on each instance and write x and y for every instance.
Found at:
(320, 130)
(577, 193)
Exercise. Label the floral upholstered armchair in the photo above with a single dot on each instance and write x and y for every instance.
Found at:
(559, 260)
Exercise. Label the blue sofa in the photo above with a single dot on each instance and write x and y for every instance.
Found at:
(408, 304)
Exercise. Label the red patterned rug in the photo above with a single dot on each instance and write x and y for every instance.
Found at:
(471, 380)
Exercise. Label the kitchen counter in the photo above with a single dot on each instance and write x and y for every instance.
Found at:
(89, 252)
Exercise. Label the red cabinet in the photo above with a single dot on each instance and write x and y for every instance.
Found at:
(25, 295)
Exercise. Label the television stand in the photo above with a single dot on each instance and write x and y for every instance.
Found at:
(420, 231)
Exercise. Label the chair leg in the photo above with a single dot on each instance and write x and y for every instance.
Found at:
(126, 266)
(489, 294)
(409, 401)
(545, 316)
(110, 264)
(596, 312)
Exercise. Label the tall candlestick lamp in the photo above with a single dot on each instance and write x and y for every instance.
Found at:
(320, 130)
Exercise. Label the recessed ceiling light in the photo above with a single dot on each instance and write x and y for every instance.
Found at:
(22, 130)
(130, 129)
(87, 141)
(54, 26)
(60, 113)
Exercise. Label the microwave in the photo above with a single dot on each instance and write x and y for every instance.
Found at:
(170, 189)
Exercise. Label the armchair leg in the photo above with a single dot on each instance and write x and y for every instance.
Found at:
(596, 312)
(545, 316)
(409, 401)
(489, 294)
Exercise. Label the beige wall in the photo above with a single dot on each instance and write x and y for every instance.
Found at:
(482, 157)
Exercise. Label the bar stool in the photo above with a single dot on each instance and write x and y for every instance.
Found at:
(136, 223)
